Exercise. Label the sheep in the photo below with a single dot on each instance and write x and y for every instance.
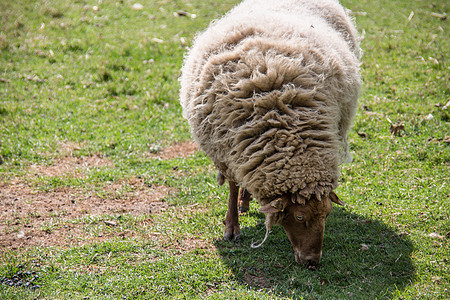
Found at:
(270, 91)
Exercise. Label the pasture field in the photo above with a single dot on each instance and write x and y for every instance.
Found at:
(103, 195)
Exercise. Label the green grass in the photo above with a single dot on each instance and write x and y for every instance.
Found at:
(100, 80)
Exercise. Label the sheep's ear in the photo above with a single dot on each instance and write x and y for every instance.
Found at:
(334, 198)
(275, 206)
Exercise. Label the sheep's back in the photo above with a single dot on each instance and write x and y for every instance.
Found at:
(269, 96)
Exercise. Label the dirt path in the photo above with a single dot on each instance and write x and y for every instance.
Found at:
(64, 217)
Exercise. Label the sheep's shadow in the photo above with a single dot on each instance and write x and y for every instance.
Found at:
(362, 257)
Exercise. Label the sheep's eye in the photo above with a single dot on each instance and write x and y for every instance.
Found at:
(299, 218)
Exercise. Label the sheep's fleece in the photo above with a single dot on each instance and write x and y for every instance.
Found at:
(270, 91)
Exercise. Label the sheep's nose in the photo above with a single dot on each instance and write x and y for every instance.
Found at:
(312, 265)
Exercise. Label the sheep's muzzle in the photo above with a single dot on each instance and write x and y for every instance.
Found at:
(303, 222)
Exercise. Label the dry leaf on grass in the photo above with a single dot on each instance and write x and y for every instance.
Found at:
(436, 236)
(156, 40)
(364, 247)
(428, 117)
(110, 223)
(443, 16)
(436, 279)
(362, 134)
(446, 106)
(396, 129)
(137, 6)
(182, 13)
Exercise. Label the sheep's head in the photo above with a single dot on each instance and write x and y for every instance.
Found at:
(304, 223)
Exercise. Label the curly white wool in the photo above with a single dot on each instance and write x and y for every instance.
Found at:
(270, 91)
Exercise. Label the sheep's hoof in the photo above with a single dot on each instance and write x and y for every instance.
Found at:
(243, 210)
(231, 234)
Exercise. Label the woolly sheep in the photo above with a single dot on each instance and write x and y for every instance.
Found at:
(270, 91)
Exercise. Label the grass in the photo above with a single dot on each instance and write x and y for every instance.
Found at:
(104, 80)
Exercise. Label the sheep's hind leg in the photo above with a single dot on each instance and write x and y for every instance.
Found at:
(244, 201)
(232, 230)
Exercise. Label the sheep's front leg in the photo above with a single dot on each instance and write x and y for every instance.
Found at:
(244, 201)
(232, 229)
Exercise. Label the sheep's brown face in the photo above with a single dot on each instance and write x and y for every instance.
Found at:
(304, 224)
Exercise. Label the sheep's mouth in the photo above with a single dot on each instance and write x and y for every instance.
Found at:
(308, 263)
(311, 266)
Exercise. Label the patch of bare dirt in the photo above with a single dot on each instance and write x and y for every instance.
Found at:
(191, 243)
(67, 163)
(178, 150)
(77, 216)
(258, 280)
(36, 218)
(71, 166)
